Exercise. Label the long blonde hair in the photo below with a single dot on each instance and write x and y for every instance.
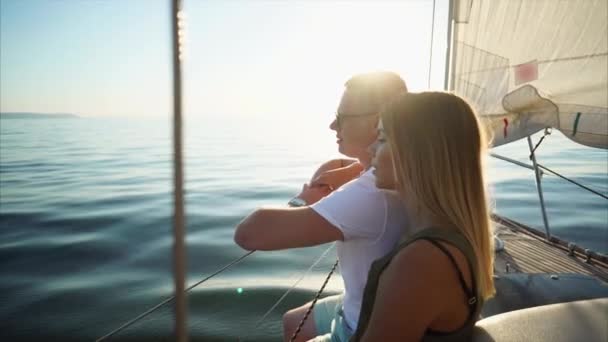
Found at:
(438, 147)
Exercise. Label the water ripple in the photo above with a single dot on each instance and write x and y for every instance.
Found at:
(85, 223)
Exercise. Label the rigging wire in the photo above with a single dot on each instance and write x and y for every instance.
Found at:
(257, 324)
(572, 181)
(548, 132)
(431, 52)
(157, 306)
(312, 305)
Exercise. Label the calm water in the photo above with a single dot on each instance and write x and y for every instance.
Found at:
(85, 228)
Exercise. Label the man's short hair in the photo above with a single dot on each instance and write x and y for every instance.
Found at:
(380, 87)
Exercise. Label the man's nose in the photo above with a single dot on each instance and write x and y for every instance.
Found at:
(334, 125)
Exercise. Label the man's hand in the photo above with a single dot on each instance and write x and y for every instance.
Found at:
(312, 194)
(332, 164)
(335, 178)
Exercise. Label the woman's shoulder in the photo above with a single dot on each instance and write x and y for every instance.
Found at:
(425, 260)
(419, 252)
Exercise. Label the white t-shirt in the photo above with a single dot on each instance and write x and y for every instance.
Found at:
(372, 222)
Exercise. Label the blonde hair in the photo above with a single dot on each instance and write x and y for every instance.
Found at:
(377, 87)
(438, 147)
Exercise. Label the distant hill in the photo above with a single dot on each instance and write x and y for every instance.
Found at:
(38, 116)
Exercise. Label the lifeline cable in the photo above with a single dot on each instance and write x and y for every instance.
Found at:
(291, 288)
(312, 305)
(572, 181)
(149, 311)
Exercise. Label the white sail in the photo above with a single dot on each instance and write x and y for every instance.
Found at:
(529, 64)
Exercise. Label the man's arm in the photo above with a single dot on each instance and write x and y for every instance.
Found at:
(282, 228)
(312, 194)
(332, 165)
(335, 178)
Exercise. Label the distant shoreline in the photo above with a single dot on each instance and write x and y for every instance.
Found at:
(38, 116)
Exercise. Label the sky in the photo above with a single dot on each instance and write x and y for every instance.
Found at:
(251, 57)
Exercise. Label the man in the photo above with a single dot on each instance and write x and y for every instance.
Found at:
(365, 222)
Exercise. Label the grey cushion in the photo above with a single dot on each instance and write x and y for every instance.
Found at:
(585, 320)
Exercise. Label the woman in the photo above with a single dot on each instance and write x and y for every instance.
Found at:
(430, 149)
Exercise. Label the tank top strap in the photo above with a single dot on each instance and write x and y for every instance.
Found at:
(470, 293)
(451, 236)
(432, 234)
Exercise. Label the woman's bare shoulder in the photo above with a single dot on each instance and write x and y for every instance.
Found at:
(423, 261)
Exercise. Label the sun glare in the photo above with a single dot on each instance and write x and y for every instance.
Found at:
(244, 58)
(309, 50)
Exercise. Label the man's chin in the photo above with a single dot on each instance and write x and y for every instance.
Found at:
(346, 151)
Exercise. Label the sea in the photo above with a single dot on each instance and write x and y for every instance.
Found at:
(86, 221)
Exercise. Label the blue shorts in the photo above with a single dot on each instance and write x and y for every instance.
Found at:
(329, 320)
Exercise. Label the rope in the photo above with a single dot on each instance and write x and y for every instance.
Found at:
(312, 305)
(291, 288)
(547, 132)
(431, 52)
(572, 181)
(149, 311)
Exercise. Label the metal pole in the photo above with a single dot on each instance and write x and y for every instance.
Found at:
(516, 162)
(179, 247)
(454, 56)
(537, 173)
(448, 51)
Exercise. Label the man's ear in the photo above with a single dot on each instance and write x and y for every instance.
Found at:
(373, 124)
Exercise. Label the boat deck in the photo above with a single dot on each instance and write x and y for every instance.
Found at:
(527, 251)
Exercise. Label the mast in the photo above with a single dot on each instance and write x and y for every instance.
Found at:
(446, 85)
(179, 248)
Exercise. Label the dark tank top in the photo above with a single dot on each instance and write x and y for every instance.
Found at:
(433, 235)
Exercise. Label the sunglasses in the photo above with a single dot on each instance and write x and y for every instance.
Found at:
(340, 117)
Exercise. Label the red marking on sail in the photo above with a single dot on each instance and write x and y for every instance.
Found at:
(504, 130)
(526, 72)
